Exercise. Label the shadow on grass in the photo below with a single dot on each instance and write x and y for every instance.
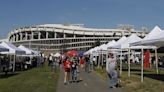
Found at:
(135, 70)
(3, 75)
(159, 77)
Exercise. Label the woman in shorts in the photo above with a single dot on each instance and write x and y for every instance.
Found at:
(67, 71)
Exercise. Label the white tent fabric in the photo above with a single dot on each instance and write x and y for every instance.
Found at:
(91, 51)
(157, 41)
(156, 31)
(143, 47)
(126, 43)
(154, 34)
(57, 55)
(119, 42)
(101, 47)
(12, 49)
(27, 50)
(109, 44)
(3, 49)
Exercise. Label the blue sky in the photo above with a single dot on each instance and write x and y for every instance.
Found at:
(92, 13)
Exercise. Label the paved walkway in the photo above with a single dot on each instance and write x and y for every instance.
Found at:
(90, 83)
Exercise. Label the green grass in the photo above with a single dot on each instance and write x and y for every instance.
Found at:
(152, 82)
(34, 80)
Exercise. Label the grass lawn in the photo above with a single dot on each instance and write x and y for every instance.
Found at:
(33, 80)
(152, 82)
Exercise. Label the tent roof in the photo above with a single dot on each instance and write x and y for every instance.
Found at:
(120, 41)
(131, 39)
(156, 31)
(101, 47)
(154, 34)
(111, 43)
(12, 49)
(3, 49)
(27, 50)
(57, 55)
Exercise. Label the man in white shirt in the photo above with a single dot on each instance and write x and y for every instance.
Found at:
(112, 73)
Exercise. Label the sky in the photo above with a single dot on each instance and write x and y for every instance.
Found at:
(91, 13)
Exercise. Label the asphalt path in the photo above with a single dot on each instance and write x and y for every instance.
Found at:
(87, 82)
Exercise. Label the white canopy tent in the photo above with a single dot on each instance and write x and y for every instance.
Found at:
(12, 50)
(109, 44)
(153, 36)
(142, 59)
(27, 50)
(57, 55)
(119, 42)
(126, 43)
(3, 49)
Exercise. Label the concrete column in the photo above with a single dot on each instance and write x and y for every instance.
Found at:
(21, 36)
(64, 35)
(47, 33)
(39, 35)
(123, 33)
(55, 35)
(32, 35)
(14, 38)
(74, 36)
(26, 35)
(17, 36)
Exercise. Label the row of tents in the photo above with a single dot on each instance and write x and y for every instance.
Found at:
(153, 40)
(9, 49)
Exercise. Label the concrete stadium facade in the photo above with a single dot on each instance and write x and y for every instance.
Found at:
(59, 37)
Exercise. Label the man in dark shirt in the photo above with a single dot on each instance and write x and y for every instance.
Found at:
(87, 63)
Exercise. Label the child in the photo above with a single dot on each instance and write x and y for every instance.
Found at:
(74, 71)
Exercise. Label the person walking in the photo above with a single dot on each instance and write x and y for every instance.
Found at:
(50, 59)
(81, 59)
(74, 70)
(111, 72)
(94, 62)
(87, 63)
(67, 70)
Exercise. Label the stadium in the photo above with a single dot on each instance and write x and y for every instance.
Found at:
(62, 37)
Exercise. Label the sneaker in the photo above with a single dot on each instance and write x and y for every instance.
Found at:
(65, 83)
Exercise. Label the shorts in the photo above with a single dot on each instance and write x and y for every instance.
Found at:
(67, 69)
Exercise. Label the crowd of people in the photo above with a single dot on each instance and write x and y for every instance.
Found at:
(72, 65)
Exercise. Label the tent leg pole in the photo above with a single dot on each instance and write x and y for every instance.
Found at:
(142, 65)
(99, 60)
(14, 64)
(156, 57)
(121, 63)
(128, 62)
